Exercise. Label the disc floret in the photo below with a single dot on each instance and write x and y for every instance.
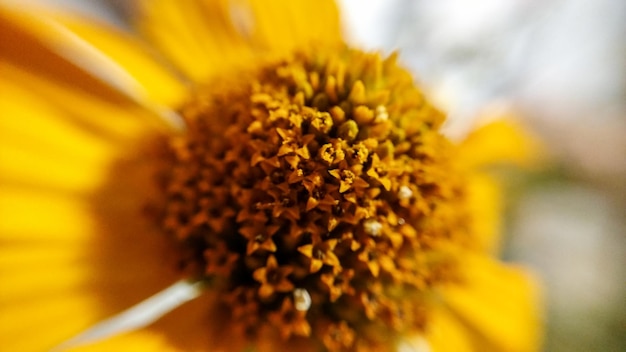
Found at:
(320, 181)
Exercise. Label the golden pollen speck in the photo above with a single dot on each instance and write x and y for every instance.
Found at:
(314, 196)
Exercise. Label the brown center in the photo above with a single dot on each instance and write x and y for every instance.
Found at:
(324, 173)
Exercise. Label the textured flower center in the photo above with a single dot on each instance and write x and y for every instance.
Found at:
(316, 195)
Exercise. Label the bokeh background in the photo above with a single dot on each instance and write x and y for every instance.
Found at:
(559, 68)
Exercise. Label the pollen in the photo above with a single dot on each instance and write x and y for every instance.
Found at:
(405, 192)
(372, 227)
(302, 299)
(315, 195)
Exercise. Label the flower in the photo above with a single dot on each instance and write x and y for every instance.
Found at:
(303, 187)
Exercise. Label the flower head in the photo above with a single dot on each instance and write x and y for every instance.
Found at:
(323, 141)
(307, 189)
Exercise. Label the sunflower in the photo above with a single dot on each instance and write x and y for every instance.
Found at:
(232, 176)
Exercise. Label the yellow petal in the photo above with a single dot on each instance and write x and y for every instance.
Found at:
(38, 324)
(54, 136)
(40, 150)
(197, 36)
(285, 25)
(484, 201)
(500, 142)
(498, 304)
(38, 45)
(131, 54)
(29, 215)
(74, 245)
(444, 333)
(52, 53)
(70, 261)
(205, 37)
(41, 237)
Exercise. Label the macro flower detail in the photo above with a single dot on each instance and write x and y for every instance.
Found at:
(279, 191)
(322, 141)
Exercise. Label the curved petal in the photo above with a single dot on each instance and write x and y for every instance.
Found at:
(498, 304)
(205, 37)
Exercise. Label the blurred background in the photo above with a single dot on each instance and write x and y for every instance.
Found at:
(558, 67)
